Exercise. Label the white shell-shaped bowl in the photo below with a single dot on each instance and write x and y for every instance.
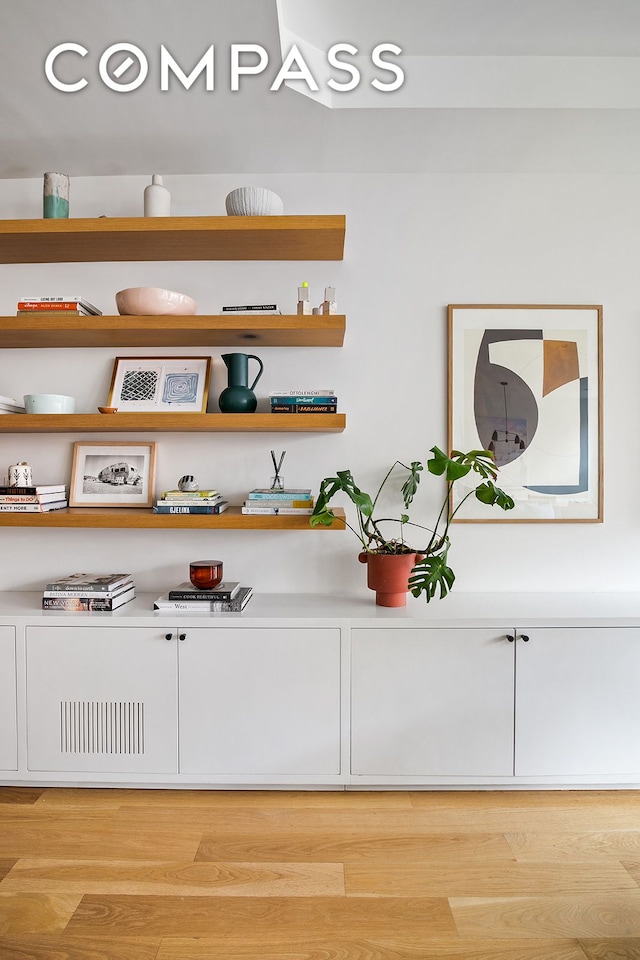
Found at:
(254, 202)
(154, 301)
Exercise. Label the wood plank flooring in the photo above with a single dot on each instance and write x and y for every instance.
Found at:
(282, 875)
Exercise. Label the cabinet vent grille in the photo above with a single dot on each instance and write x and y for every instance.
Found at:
(101, 726)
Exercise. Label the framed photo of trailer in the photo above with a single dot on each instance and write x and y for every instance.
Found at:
(108, 474)
(525, 382)
(160, 384)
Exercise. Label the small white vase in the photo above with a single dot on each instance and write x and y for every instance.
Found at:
(55, 196)
(157, 199)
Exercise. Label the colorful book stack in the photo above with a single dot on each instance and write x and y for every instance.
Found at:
(323, 400)
(226, 597)
(11, 405)
(293, 502)
(55, 306)
(39, 499)
(89, 591)
(197, 501)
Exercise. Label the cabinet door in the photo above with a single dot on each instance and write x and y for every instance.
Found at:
(8, 725)
(101, 699)
(431, 702)
(577, 703)
(260, 702)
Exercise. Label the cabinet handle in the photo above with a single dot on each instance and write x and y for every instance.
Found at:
(524, 637)
(168, 636)
(510, 639)
(183, 636)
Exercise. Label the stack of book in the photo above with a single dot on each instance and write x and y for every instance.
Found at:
(293, 502)
(38, 499)
(11, 405)
(89, 591)
(323, 400)
(255, 308)
(197, 501)
(226, 597)
(55, 306)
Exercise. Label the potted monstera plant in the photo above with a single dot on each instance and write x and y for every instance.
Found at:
(393, 566)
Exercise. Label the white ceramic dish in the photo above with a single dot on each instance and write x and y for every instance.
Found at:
(253, 202)
(154, 301)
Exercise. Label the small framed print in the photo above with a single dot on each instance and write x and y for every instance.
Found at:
(107, 474)
(160, 384)
(525, 382)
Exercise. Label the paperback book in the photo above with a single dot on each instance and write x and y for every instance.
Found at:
(80, 604)
(32, 491)
(238, 603)
(32, 507)
(83, 593)
(302, 503)
(320, 392)
(188, 494)
(91, 582)
(253, 308)
(225, 590)
(30, 497)
(190, 508)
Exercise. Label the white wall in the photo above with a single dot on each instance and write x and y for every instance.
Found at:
(414, 244)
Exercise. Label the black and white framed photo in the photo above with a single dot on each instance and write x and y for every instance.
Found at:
(108, 474)
(160, 384)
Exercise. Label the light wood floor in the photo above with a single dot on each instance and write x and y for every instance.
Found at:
(217, 875)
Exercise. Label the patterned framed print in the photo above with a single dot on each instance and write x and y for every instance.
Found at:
(525, 382)
(160, 384)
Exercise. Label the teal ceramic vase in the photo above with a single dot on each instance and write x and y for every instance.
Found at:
(238, 396)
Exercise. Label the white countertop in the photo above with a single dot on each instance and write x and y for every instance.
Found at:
(499, 610)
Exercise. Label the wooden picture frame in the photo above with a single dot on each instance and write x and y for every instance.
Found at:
(525, 381)
(160, 384)
(112, 474)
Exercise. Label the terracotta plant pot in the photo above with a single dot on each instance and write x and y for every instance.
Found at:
(388, 575)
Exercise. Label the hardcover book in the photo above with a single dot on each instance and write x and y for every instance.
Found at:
(212, 606)
(323, 392)
(301, 398)
(304, 503)
(101, 582)
(304, 408)
(225, 590)
(55, 303)
(281, 511)
(253, 308)
(86, 593)
(191, 508)
(81, 604)
(265, 493)
(188, 494)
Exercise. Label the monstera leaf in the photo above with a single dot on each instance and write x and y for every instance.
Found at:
(431, 575)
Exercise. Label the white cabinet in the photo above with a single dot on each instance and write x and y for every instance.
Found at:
(578, 702)
(431, 702)
(101, 699)
(256, 702)
(8, 724)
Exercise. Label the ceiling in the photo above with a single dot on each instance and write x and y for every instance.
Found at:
(471, 68)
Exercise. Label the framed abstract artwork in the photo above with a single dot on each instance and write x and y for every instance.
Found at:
(525, 381)
(160, 384)
(112, 474)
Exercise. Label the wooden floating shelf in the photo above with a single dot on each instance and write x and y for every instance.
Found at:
(172, 423)
(110, 239)
(216, 330)
(231, 519)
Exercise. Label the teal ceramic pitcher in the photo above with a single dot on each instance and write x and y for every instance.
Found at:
(238, 396)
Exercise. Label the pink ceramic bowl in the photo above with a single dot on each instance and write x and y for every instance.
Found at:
(153, 301)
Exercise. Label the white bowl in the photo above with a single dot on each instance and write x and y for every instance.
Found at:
(253, 202)
(48, 403)
(154, 301)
